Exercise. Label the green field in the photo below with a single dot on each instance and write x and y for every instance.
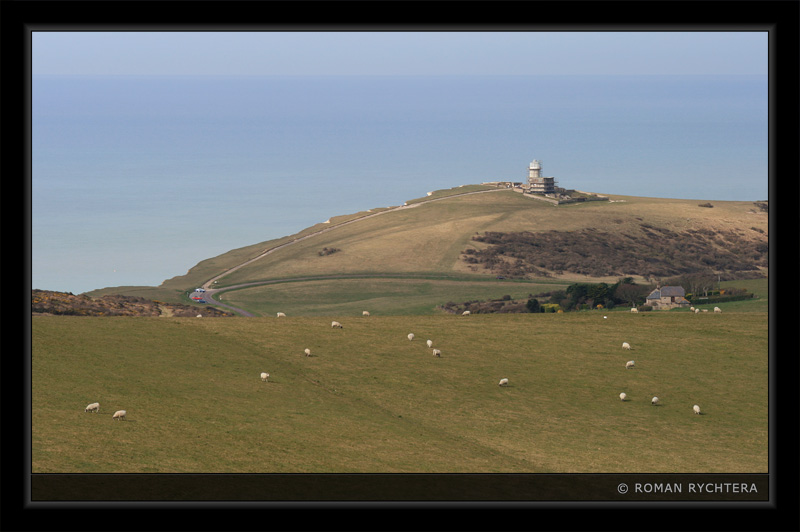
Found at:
(370, 400)
(380, 296)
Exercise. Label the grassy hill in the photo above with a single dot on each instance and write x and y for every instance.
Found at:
(370, 400)
(448, 243)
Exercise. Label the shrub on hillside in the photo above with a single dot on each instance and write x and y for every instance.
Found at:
(660, 252)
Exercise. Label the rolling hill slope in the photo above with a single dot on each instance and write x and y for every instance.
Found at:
(500, 232)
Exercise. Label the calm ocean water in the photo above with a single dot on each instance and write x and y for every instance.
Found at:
(136, 179)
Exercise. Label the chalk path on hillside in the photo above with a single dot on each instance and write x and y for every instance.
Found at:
(211, 292)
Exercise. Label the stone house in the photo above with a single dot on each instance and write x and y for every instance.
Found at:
(667, 297)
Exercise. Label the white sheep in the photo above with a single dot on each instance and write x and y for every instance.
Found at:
(365, 313)
(119, 414)
(199, 315)
(654, 401)
(635, 310)
(281, 315)
(307, 352)
(691, 308)
(717, 309)
(94, 407)
(696, 409)
(630, 364)
(503, 382)
(622, 396)
(430, 343)
(336, 324)
(705, 310)
(697, 311)
(626, 345)
(437, 353)
(465, 313)
(411, 336)
(264, 377)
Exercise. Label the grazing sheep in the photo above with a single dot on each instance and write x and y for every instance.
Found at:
(281, 315)
(705, 310)
(264, 377)
(630, 364)
(119, 414)
(430, 343)
(307, 352)
(465, 313)
(626, 345)
(503, 382)
(691, 308)
(94, 407)
(635, 310)
(654, 401)
(411, 336)
(717, 309)
(696, 409)
(336, 324)
(437, 353)
(697, 311)
(199, 315)
(365, 313)
(622, 396)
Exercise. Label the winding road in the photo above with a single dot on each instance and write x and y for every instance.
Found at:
(211, 293)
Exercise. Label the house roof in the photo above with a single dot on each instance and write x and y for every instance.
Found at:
(667, 291)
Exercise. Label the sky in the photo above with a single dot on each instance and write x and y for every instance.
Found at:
(320, 53)
(399, 53)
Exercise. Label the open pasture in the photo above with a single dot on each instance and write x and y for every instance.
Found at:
(381, 296)
(369, 400)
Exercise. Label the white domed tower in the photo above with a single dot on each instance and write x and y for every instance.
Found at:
(534, 170)
(538, 184)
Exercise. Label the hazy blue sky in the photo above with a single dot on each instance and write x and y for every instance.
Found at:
(422, 53)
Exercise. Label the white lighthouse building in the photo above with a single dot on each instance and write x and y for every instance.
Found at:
(538, 184)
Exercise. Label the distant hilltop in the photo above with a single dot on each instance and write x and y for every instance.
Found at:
(485, 231)
(544, 188)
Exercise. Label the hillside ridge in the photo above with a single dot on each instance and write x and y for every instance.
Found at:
(462, 231)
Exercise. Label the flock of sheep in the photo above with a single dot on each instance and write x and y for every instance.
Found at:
(120, 414)
(95, 407)
(691, 309)
(411, 336)
(631, 364)
(504, 381)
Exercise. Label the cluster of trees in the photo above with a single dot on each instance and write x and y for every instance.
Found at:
(576, 296)
(697, 283)
(579, 296)
(584, 296)
(503, 305)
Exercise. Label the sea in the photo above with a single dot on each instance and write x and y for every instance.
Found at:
(135, 179)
